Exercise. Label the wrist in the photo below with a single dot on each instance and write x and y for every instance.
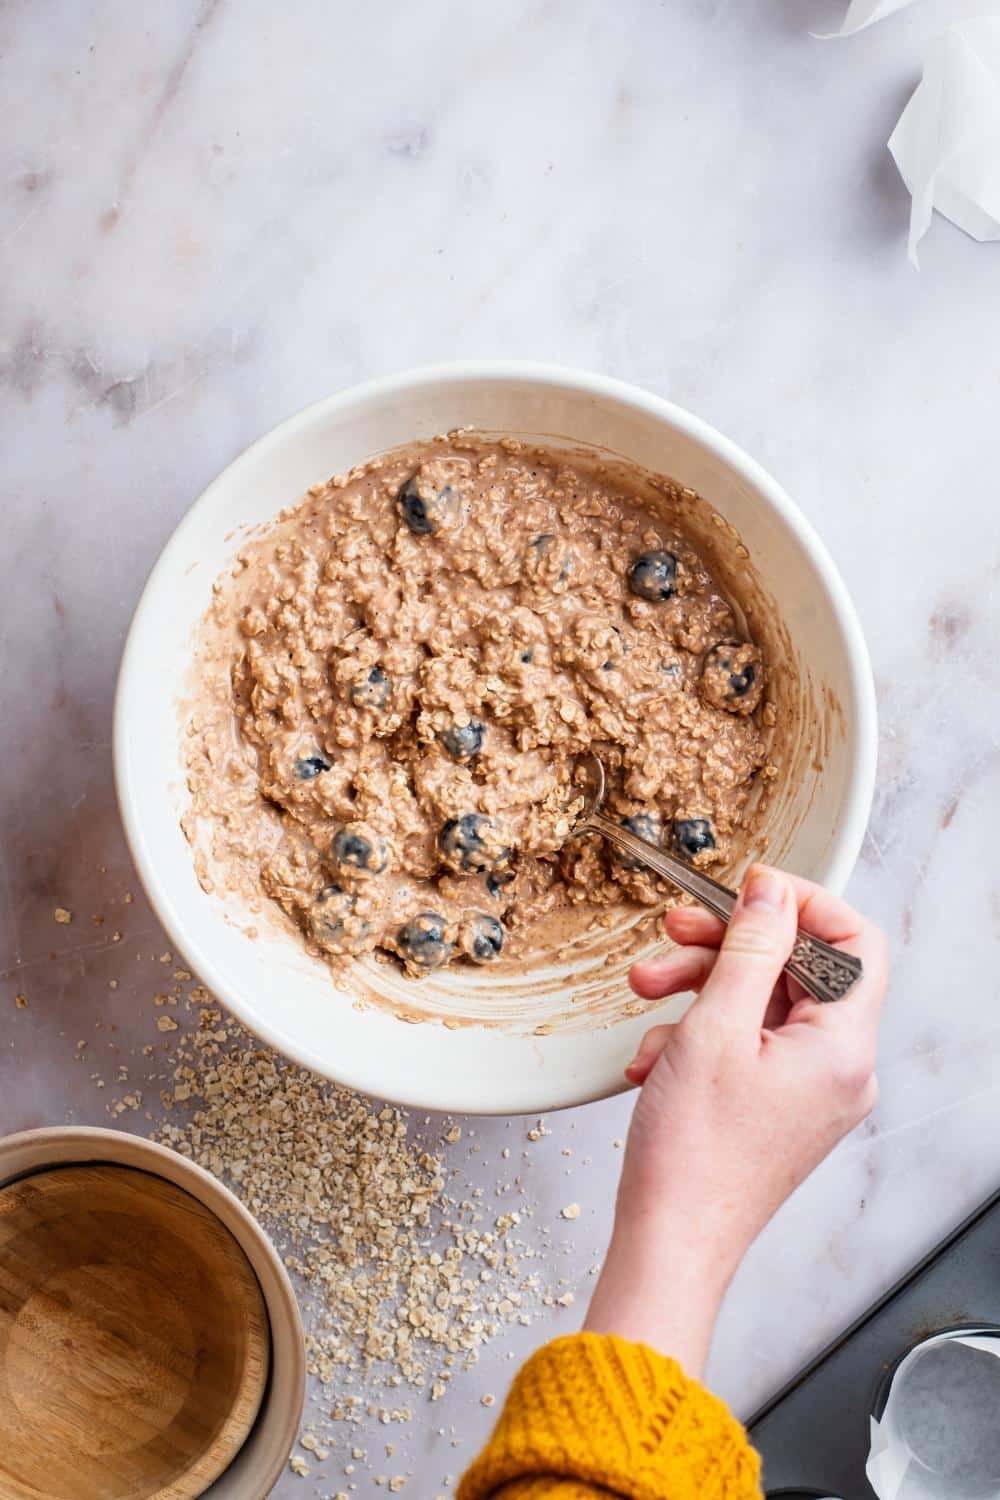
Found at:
(700, 1236)
(659, 1288)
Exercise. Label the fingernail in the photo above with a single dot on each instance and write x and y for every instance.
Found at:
(764, 888)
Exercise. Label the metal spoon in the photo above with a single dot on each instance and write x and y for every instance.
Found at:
(824, 971)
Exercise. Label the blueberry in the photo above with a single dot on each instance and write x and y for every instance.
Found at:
(371, 689)
(653, 576)
(309, 766)
(422, 508)
(693, 836)
(421, 940)
(327, 919)
(463, 741)
(356, 847)
(645, 826)
(470, 843)
(543, 547)
(732, 678)
(496, 880)
(483, 938)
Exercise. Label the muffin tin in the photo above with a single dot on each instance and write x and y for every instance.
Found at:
(814, 1435)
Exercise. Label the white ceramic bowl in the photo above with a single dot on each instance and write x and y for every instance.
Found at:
(495, 1062)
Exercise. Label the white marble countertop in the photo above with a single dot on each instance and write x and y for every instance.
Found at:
(217, 213)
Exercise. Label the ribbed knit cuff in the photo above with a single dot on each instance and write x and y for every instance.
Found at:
(601, 1410)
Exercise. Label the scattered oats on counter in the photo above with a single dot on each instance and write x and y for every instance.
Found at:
(21, 1001)
(401, 1280)
(62, 915)
(571, 1211)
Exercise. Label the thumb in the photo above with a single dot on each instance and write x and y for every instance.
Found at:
(755, 946)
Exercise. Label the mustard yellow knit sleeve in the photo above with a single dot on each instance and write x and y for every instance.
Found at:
(592, 1416)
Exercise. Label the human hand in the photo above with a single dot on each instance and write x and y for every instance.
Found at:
(740, 1101)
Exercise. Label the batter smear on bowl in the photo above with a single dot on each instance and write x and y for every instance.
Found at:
(400, 677)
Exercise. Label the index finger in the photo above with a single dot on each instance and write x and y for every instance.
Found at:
(820, 912)
(826, 916)
(829, 917)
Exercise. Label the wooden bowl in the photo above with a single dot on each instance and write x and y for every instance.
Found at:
(134, 1343)
(150, 1348)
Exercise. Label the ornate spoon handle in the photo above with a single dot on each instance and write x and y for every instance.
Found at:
(825, 972)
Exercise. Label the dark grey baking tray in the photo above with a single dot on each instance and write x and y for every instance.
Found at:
(814, 1434)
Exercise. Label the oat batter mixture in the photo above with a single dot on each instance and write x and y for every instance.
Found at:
(400, 678)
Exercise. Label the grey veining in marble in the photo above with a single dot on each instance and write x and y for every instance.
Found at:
(214, 213)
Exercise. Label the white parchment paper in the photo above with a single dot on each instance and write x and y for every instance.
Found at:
(947, 142)
(938, 1436)
(862, 13)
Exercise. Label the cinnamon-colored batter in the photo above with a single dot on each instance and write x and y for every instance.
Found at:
(401, 675)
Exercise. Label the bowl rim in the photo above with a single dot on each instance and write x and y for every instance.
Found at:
(860, 710)
(276, 1425)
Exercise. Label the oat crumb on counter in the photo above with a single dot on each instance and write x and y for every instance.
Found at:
(407, 1291)
(63, 915)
